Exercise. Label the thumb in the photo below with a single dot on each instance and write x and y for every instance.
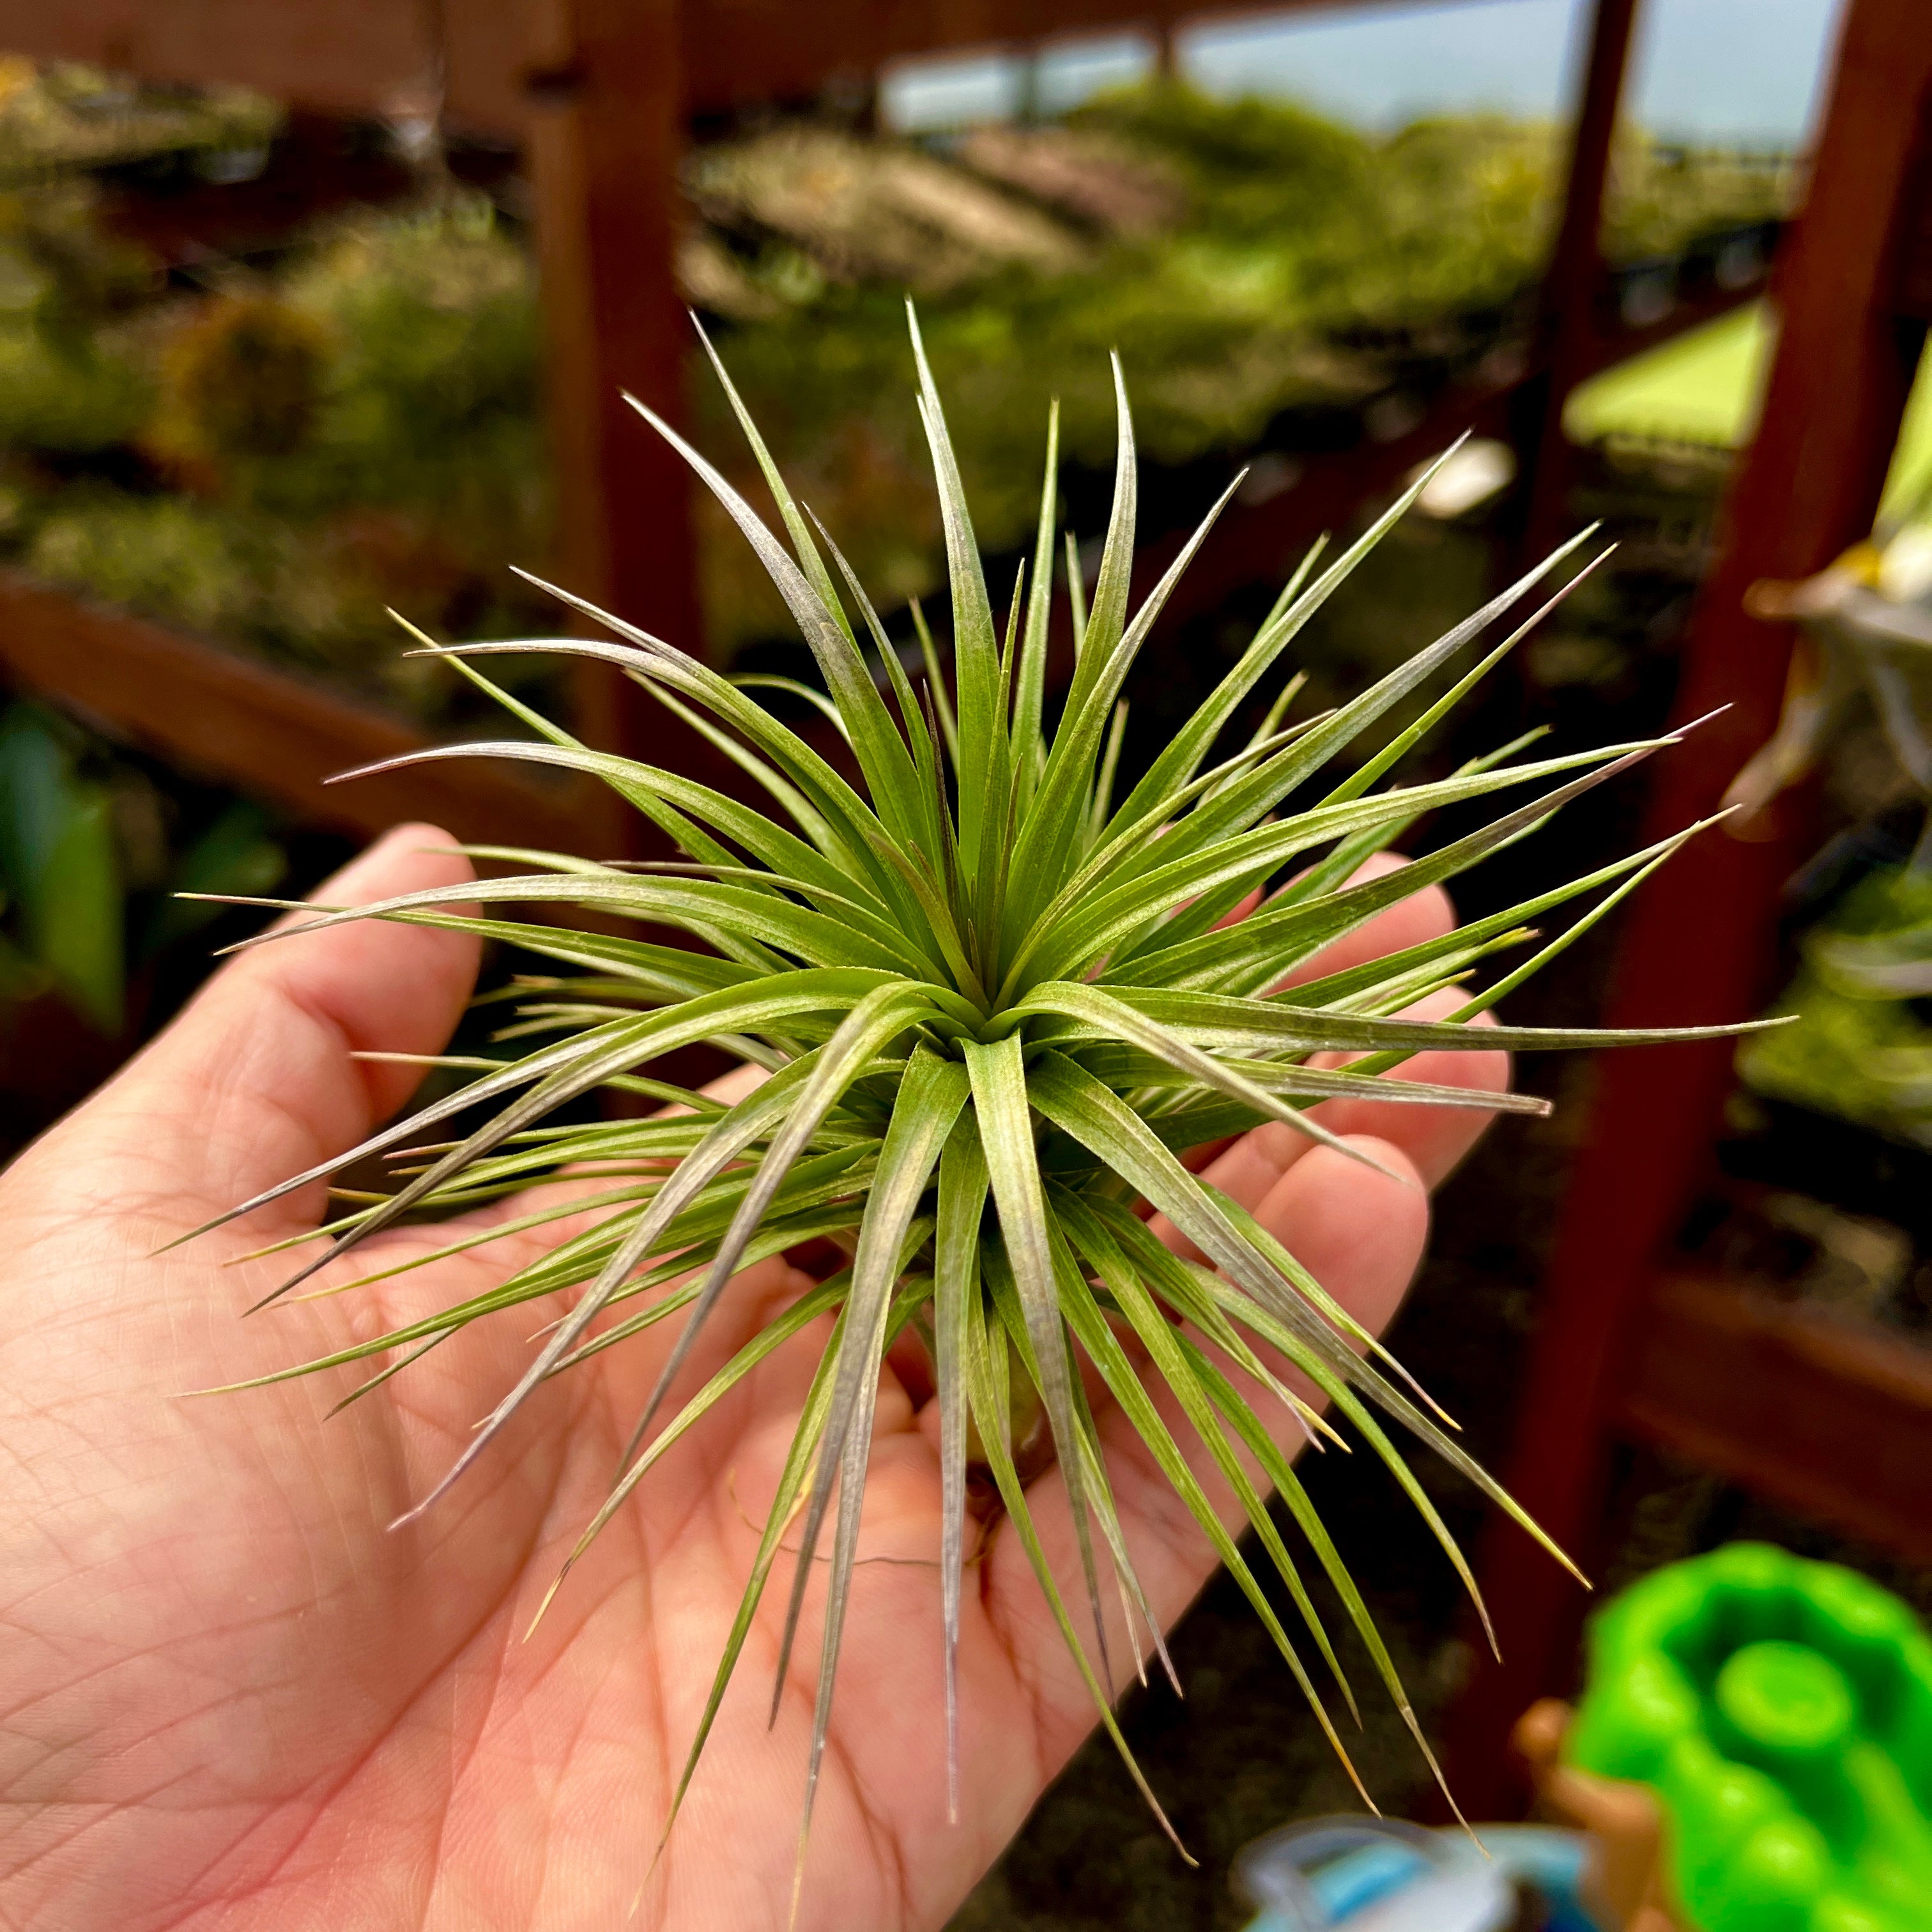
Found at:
(255, 1080)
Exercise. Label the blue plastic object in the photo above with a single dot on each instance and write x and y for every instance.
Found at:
(1381, 1875)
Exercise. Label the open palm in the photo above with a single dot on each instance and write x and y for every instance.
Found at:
(230, 1697)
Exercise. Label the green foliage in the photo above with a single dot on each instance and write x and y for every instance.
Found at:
(361, 425)
(1859, 1047)
(432, 395)
(1251, 166)
(360, 431)
(68, 116)
(67, 924)
(1451, 214)
(383, 398)
(171, 557)
(70, 381)
(1302, 250)
(996, 1003)
(244, 380)
(57, 861)
(1662, 195)
(62, 394)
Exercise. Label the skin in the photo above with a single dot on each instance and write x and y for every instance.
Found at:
(230, 1697)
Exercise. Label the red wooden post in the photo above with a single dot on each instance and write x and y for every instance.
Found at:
(1697, 945)
(608, 123)
(1568, 325)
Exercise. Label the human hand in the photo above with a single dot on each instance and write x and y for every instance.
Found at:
(234, 1698)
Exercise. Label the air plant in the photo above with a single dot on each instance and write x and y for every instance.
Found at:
(996, 1006)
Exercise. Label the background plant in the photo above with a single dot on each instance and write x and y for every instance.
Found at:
(273, 452)
(89, 874)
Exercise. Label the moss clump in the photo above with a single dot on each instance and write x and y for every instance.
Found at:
(360, 428)
(68, 116)
(72, 381)
(244, 382)
(168, 557)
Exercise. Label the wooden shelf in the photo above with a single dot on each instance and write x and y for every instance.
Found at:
(266, 731)
(1831, 1417)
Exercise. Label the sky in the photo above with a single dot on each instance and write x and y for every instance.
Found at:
(1721, 70)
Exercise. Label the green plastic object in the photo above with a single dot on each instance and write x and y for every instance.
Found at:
(1782, 1711)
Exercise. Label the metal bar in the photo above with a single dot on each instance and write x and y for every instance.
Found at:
(1697, 945)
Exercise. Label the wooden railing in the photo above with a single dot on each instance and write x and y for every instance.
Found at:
(217, 714)
(1830, 1417)
(364, 57)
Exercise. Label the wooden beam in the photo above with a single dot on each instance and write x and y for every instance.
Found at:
(1698, 943)
(355, 57)
(1568, 323)
(215, 714)
(740, 53)
(347, 57)
(1832, 1419)
(606, 131)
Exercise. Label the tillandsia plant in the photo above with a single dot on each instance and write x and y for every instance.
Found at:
(996, 1006)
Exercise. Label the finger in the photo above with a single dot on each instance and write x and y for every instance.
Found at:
(1361, 1233)
(1422, 917)
(1247, 1170)
(255, 1080)
(1413, 921)
(1435, 1138)
(1240, 912)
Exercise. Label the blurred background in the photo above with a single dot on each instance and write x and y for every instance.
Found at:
(311, 313)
